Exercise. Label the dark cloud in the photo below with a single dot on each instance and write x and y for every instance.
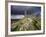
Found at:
(20, 10)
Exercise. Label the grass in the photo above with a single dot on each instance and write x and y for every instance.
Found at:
(26, 24)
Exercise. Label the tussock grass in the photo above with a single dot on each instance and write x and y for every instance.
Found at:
(26, 24)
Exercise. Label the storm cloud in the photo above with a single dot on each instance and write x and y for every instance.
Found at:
(30, 10)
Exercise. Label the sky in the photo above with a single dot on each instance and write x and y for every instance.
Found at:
(30, 10)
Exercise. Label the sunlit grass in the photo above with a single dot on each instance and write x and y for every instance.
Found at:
(26, 24)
